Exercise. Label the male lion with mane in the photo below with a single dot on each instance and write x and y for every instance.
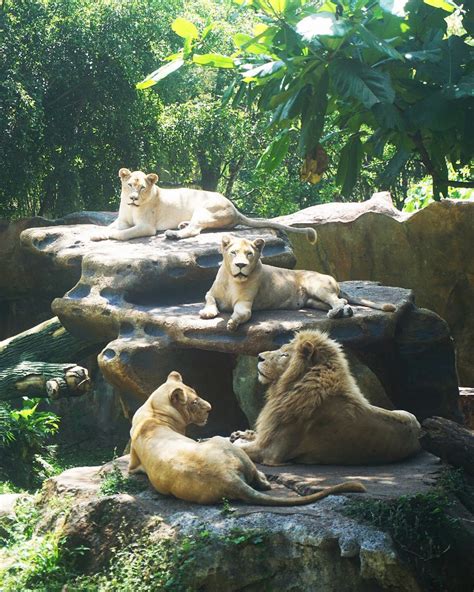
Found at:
(146, 209)
(316, 413)
(243, 283)
(201, 472)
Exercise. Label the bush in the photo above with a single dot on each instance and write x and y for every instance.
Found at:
(25, 451)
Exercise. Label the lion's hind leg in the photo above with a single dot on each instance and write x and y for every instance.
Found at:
(134, 464)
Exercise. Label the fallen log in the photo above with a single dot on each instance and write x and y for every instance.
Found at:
(36, 363)
(453, 443)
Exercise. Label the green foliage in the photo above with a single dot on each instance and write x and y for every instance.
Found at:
(24, 443)
(113, 482)
(32, 561)
(383, 75)
(418, 524)
(167, 564)
(71, 116)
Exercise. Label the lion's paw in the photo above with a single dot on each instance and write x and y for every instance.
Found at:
(172, 235)
(232, 325)
(99, 237)
(247, 435)
(208, 313)
(336, 312)
(348, 312)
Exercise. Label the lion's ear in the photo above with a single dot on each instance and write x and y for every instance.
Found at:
(178, 397)
(226, 240)
(152, 178)
(259, 243)
(307, 349)
(124, 174)
(176, 376)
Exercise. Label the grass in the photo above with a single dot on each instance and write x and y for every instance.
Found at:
(114, 482)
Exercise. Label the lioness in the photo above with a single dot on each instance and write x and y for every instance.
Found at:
(146, 208)
(201, 472)
(315, 412)
(243, 283)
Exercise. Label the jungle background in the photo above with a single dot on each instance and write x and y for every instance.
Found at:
(71, 115)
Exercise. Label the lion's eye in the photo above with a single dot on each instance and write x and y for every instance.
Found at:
(129, 184)
(285, 355)
(233, 253)
(249, 255)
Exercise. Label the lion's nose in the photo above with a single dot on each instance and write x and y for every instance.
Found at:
(260, 358)
(240, 265)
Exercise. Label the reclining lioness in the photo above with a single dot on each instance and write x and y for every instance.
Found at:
(146, 208)
(201, 472)
(243, 283)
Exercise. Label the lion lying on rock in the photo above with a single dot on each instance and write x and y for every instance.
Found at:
(201, 472)
(146, 208)
(243, 283)
(315, 412)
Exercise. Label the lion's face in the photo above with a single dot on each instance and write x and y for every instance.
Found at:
(175, 396)
(272, 364)
(136, 187)
(306, 349)
(241, 256)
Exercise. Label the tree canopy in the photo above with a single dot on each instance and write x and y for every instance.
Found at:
(380, 72)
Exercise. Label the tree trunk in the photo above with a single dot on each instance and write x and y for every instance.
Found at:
(36, 363)
(40, 379)
(450, 441)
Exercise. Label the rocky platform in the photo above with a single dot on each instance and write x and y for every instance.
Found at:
(315, 547)
(144, 297)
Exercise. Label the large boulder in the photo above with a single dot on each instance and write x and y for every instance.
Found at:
(144, 297)
(429, 251)
(245, 547)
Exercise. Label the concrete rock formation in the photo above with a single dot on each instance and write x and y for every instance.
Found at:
(143, 296)
(314, 547)
(429, 251)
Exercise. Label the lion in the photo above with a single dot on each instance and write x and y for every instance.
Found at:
(316, 414)
(146, 209)
(200, 472)
(243, 283)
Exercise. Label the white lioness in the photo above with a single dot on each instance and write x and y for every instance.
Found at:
(243, 283)
(146, 208)
(316, 413)
(201, 472)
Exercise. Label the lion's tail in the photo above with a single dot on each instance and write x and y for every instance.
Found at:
(310, 233)
(385, 306)
(252, 496)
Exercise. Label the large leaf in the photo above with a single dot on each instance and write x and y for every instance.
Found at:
(388, 116)
(393, 167)
(249, 44)
(321, 23)
(354, 79)
(159, 74)
(263, 70)
(185, 28)
(349, 165)
(380, 45)
(313, 116)
(463, 88)
(216, 60)
(275, 152)
(396, 7)
(447, 6)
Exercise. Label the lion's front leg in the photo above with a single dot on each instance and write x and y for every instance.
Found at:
(210, 311)
(104, 233)
(241, 314)
(134, 232)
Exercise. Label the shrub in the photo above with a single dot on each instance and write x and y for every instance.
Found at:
(25, 451)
